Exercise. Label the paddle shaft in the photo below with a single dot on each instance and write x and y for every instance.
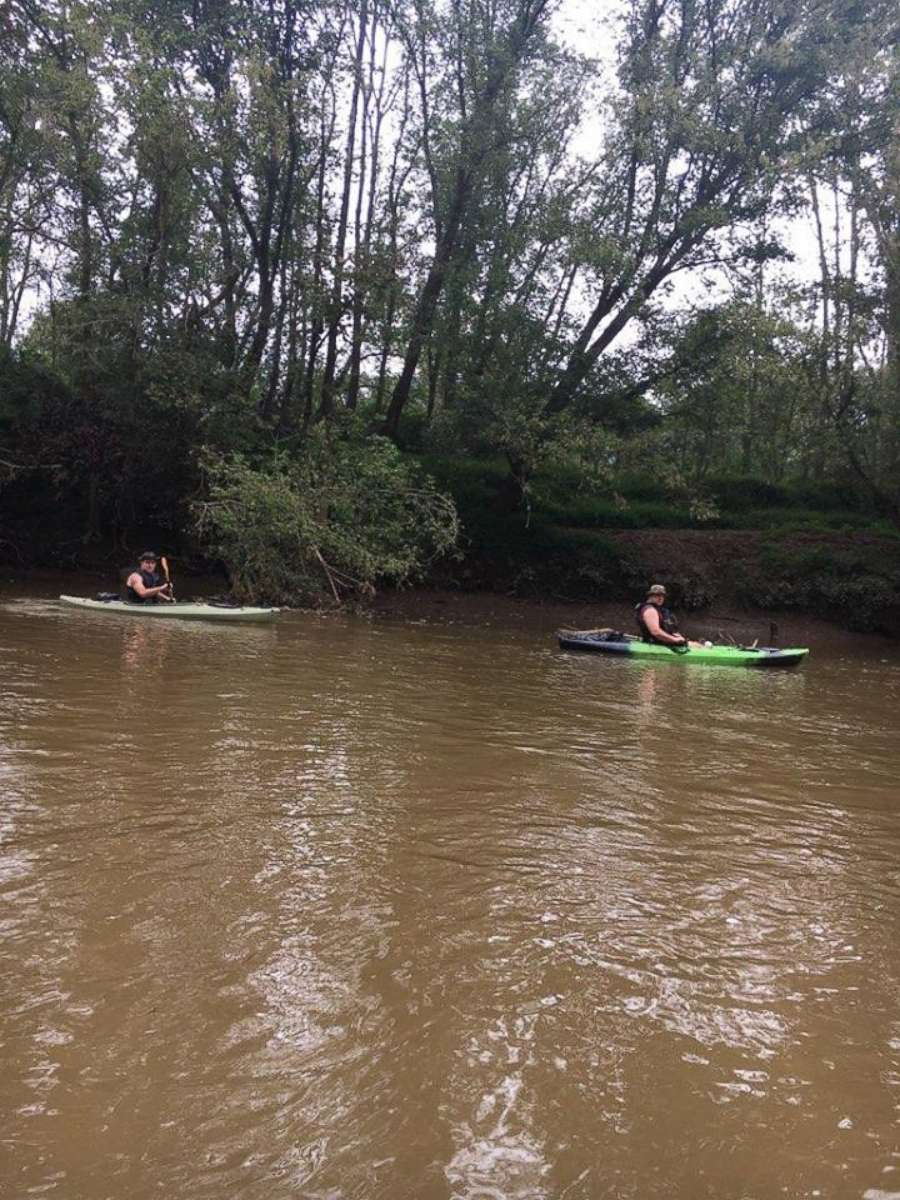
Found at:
(164, 562)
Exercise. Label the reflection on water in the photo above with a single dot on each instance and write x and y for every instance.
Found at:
(335, 908)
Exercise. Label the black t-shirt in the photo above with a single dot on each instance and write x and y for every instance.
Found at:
(150, 579)
(667, 622)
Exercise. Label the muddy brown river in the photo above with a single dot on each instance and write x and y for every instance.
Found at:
(354, 908)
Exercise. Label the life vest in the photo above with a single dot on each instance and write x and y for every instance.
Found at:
(150, 579)
(667, 622)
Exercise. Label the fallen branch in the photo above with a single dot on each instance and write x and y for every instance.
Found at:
(328, 575)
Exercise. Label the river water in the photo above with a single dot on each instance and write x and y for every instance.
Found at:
(384, 909)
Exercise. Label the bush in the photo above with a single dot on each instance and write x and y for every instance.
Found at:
(640, 487)
(860, 587)
(740, 493)
(827, 497)
(604, 513)
(548, 560)
(329, 524)
(812, 520)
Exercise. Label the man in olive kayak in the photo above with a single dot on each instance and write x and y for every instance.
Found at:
(656, 622)
(143, 585)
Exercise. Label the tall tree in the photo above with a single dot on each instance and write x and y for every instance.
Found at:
(705, 116)
(484, 52)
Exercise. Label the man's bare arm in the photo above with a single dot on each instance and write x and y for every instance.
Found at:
(134, 581)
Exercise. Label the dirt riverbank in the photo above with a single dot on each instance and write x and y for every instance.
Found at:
(719, 624)
(723, 621)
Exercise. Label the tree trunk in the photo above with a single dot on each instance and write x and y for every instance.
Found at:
(326, 405)
(476, 134)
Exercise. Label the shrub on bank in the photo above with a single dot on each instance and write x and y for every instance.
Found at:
(857, 586)
(560, 495)
(799, 519)
(324, 526)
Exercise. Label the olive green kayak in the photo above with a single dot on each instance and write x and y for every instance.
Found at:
(600, 642)
(186, 611)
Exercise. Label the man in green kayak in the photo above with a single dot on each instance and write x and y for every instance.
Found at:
(657, 622)
(143, 585)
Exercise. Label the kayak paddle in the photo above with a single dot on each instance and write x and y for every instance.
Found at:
(164, 562)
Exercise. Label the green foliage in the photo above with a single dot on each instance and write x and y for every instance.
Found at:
(740, 493)
(345, 514)
(599, 512)
(858, 585)
(743, 493)
(27, 389)
(806, 519)
(505, 545)
(566, 494)
(578, 564)
(119, 435)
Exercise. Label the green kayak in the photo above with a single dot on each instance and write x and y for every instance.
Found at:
(600, 642)
(182, 611)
